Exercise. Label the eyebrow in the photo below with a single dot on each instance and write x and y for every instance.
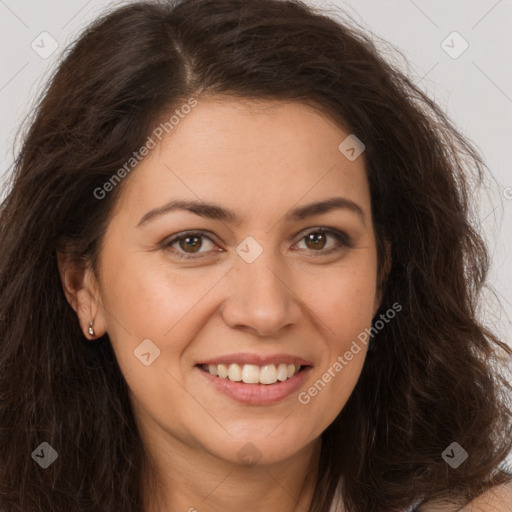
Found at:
(217, 212)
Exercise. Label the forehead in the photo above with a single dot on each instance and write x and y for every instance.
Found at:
(248, 154)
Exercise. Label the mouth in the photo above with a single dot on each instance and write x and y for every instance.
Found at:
(253, 384)
(267, 375)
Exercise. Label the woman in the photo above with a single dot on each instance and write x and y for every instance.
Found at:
(238, 272)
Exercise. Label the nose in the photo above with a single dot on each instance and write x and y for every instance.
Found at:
(261, 299)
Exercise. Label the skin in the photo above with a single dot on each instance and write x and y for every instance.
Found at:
(496, 499)
(260, 159)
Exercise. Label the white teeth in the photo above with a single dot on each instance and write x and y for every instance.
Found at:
(282, 372)
(222, 371)
(235, 373)
(253, 374)
(268, 374)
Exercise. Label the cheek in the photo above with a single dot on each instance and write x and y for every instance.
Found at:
(344, 306)
(146, 298)
(344, 300)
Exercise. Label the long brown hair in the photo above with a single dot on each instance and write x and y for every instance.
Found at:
(432, 376)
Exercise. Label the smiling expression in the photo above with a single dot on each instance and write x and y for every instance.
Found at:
(243, 248)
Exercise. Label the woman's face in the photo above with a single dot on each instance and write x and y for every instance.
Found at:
(254, 293)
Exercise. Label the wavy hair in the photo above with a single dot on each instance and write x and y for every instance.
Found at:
(433, 375)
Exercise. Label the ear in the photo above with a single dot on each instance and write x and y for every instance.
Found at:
(384, 269)
(82, 292)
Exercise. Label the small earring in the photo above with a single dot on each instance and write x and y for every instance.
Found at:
(91, 330)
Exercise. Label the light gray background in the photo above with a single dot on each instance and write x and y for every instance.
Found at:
(475, 89)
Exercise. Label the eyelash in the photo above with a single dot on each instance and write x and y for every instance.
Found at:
(340, 237)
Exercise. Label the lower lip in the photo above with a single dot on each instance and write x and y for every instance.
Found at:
(257, 394)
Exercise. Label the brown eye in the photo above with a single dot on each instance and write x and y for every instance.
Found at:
(189, 244)
(316, 241)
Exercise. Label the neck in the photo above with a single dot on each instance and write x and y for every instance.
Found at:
(179, 479)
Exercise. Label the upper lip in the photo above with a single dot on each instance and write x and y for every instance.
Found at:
(256, 359)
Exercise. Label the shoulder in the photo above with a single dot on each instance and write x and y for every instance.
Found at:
(496, 499)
